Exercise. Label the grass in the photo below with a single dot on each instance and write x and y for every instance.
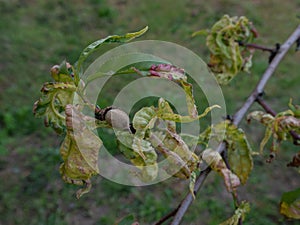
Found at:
(35, 35)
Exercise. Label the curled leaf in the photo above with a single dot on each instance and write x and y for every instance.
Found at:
(176, 166)
(52, 103)
(140, 153)
(79, 151)
(277, 127)
(63, 72)
(239, 151)
(239, 213)
(215, 161)
(295, 108)
(227, 56)
(175, 143)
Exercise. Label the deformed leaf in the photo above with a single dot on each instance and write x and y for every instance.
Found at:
(290, 204)
(79, 152)
(239, 213)
(215, 161)
(165, 115)
(140, 153)
(63, 72)
(51, 105)
(175, 143)
(143, 120)
(239, 151)
(227, 56)
(278, 127)
(295, 108)
(177, 75)
(192, 184)
(176, 166)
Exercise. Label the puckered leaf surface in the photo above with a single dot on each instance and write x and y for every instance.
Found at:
(223, 40)
(51, 105)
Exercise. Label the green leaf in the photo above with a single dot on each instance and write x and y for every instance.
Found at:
(239, 213)
(110, 39)
(51, 105)
(290, 204)
(203, 32)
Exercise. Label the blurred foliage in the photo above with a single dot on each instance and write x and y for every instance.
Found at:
(35, 35)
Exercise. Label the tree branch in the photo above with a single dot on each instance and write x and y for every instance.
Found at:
(256, 46)
(266, 76)
(238, 116)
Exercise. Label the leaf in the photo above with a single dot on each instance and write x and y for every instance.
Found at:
(239, 151)
(239, 213)
(63, 72)
(51, 105)
(176, 166)
(290, 204)
(142, 156)
(166, 115)
(133, 60)
(277, 127)
(227, 56)
(192, 184)
(110, 39)
(203, 32)
(143, 120)
(79, 151)
(295, 108)
(177, 75)
(215, 161)
(80, 155)
(175, 143)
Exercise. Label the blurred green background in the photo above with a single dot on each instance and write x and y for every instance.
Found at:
(37, 34)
